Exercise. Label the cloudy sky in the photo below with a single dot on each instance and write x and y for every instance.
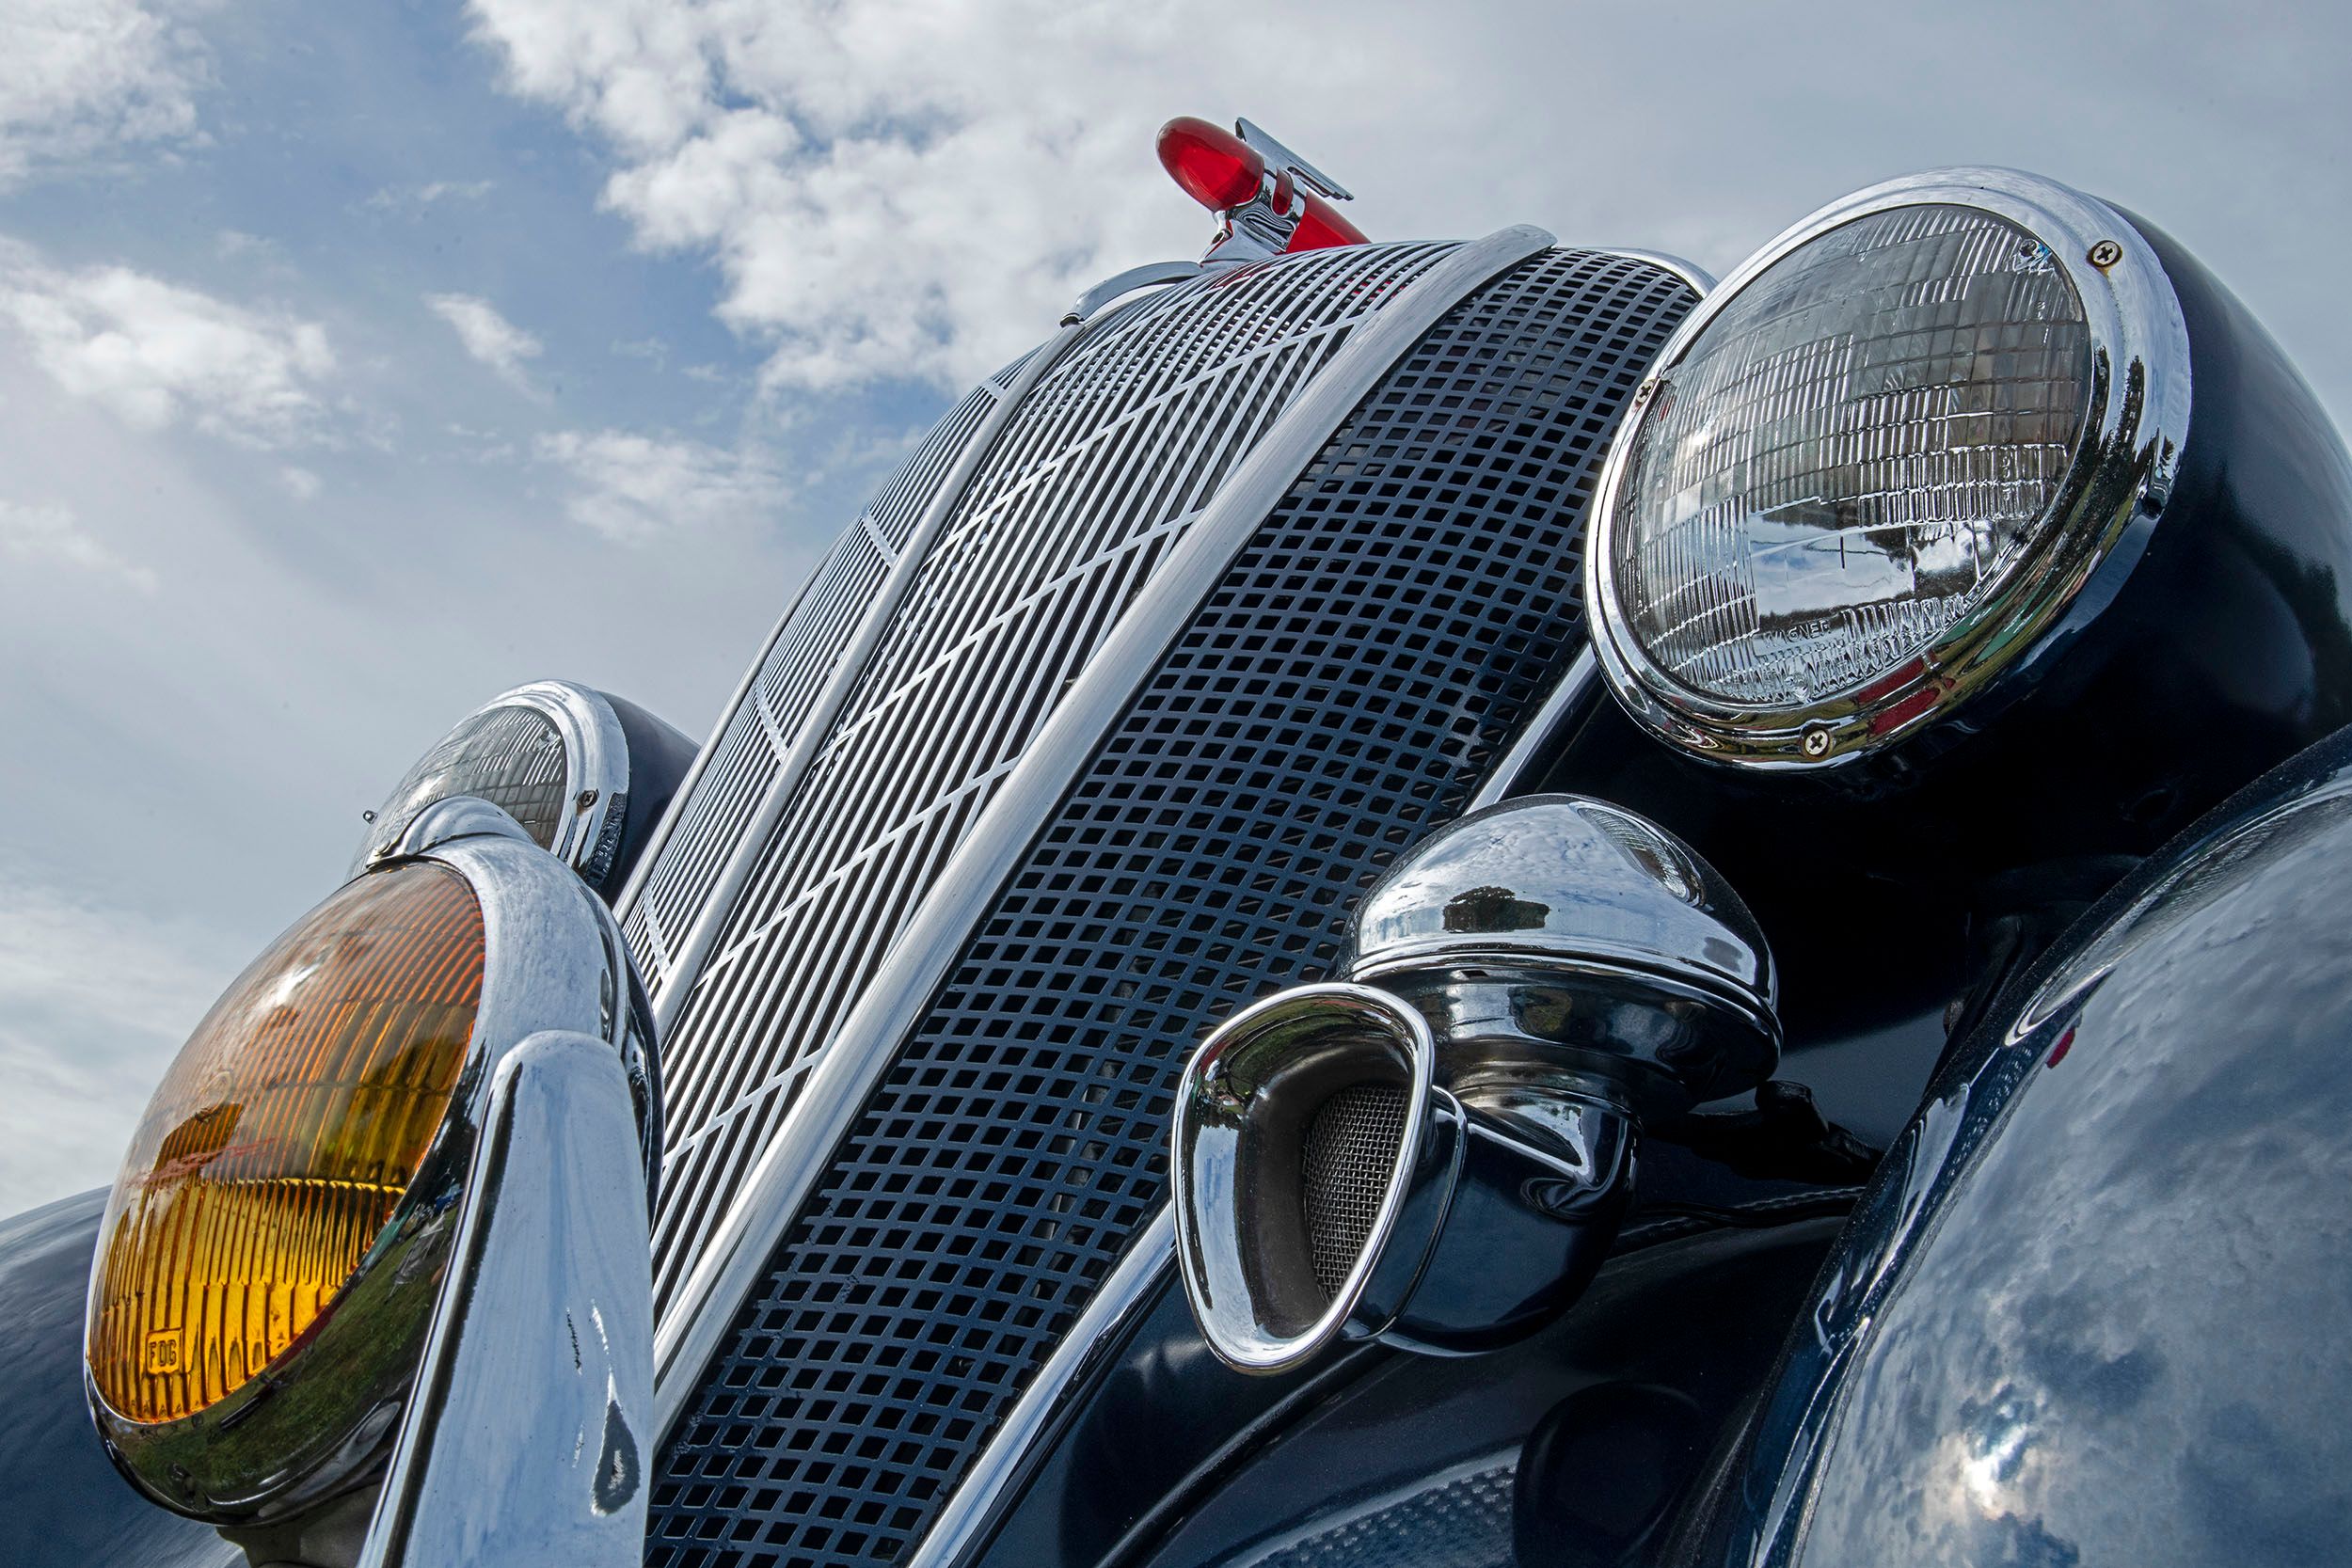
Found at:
(357, 362)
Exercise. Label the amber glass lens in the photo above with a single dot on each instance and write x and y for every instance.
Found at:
(281, 1140)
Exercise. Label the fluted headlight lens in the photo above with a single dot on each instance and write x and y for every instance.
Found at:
(1852, 456)
(511, 756)
(282, 1141)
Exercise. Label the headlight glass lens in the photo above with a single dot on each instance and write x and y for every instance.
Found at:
(512, 757)
(1852, 456)
(282, 1140)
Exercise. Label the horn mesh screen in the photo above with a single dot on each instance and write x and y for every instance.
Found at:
(1351, 1149)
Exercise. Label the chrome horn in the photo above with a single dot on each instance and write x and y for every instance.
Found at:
(1438, 1151)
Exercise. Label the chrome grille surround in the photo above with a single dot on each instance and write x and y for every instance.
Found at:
(735, 771)
(1107, 462)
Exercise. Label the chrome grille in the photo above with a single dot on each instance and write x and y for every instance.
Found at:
(1096, 476)
(752, 739)
(1354, 671)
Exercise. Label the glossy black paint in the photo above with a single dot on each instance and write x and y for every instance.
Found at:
(1522, 1237)
(2091, 1309)
(2223, 647)
(1174, 1458)
(658, 756)
(62, 1503)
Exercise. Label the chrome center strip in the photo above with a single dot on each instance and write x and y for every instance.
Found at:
(1099, 1332)
(634, 889)
(860, 1050)
(1520, 768)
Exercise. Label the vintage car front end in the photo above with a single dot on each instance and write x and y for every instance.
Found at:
(1402, 903)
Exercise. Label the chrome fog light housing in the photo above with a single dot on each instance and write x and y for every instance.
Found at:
(274, 1260)
(1278, 1245)
(1879, 467)
(1437, 1152)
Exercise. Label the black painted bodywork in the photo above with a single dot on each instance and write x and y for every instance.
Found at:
(60, 1500)
(2088, 1309)
(658, 756)
(2092, 1307)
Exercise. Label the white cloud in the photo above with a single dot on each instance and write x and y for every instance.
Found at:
(890, 187)
(633, 489)
(79, 77)
(487, 335)
(93, 1003)
(301, 483)
(417, 199)
(56, 535)
(155, 353)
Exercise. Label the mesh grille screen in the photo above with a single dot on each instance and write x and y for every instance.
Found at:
(1461, 1523)
(1351, 1149)
(1108, 461)
(1337, 695)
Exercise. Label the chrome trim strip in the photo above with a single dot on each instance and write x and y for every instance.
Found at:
(815, 728)
(1150, 275)
(1702, 282)
(861, 1049)
(970, 1510)
(1520, 768)
(625, 905)
(522, 1444)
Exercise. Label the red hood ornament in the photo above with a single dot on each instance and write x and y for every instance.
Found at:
(1267, 198)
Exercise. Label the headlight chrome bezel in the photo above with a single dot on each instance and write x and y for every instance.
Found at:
(2117, 485)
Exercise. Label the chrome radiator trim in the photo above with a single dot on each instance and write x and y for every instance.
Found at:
(970, 1510)
(677, 881)
(813, 729)
(1116, 450)
(858, 1050)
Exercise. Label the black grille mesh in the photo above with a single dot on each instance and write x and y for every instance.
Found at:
(1338, 694)
(1350, 1153)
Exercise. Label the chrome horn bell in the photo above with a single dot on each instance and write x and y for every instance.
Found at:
(1437, 1151)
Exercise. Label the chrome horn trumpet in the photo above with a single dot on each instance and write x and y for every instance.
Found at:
(1438, 1151)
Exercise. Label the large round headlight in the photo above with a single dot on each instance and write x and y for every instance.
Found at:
(1878, 464)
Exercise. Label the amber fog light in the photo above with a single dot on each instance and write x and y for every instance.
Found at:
(267, 1268)
(281, 1141)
